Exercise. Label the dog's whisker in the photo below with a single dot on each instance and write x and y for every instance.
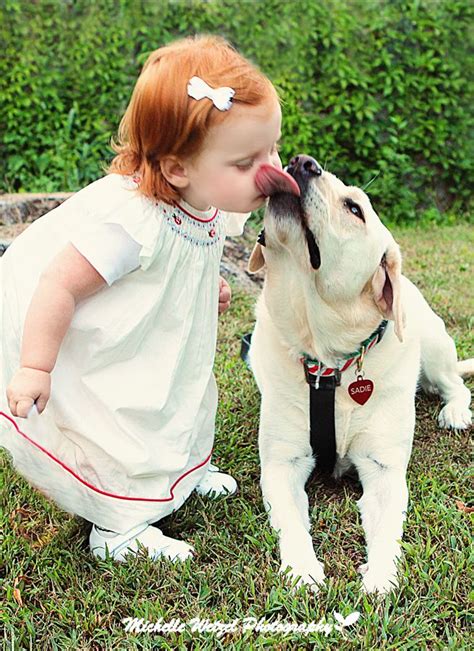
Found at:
(371, 181)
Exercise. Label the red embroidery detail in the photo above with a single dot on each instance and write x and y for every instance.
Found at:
(212, 232)
(177, 220)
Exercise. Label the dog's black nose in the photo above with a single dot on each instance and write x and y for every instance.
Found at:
(304, 165)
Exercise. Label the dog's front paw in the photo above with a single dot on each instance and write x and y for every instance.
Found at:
(378, 581)
(455, 416)
(300, 573)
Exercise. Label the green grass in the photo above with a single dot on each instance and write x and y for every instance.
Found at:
(72, 601)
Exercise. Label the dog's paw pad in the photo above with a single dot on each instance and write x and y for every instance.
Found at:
(455, 416)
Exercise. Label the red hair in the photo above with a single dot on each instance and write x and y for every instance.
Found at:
(162, 120)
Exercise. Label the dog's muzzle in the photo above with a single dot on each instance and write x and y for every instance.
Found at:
(303, 169)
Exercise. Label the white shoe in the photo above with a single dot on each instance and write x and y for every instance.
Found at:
(119, 546)
(215, 483)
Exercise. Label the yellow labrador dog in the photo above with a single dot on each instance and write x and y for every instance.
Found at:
(337, 318)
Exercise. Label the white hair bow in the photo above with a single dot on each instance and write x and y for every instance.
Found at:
(221, 97)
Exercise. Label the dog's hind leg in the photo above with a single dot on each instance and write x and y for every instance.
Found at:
(283, 479)
(382, 507)
(440, 373)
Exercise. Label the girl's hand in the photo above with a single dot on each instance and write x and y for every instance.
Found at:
(224, 295)
(28, 385)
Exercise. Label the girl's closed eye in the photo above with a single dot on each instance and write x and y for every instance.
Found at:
(244, 165)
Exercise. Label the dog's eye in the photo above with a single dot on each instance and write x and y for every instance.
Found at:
(354, 208)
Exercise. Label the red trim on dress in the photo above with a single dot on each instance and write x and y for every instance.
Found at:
(204, 221)
(98, 490)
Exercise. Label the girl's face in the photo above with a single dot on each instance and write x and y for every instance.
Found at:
(223, 173)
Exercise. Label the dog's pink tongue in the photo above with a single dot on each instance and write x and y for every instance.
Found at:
(270, 180)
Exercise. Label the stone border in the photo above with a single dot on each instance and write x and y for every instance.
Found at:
(26, 207)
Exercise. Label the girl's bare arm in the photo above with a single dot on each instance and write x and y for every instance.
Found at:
(66, 281)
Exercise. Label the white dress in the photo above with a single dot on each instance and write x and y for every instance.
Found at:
(128, 431)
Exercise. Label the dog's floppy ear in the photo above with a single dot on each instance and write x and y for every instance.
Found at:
(256, 260)
(386, 284)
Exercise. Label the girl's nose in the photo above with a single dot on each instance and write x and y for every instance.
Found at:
(276, 161)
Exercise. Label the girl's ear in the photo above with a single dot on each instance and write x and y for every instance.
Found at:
(256, 260)
(386, 286)
(174, 172)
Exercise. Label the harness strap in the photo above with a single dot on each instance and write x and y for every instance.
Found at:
(322, 434)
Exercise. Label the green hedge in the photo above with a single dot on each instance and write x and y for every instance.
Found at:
(375, 90)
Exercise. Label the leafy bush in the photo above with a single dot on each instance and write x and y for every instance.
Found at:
(376, 91)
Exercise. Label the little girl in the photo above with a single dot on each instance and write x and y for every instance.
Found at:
(110, 302)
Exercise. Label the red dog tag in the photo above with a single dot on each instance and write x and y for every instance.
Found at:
(361, 390)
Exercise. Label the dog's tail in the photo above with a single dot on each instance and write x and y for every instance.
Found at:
(466, 368)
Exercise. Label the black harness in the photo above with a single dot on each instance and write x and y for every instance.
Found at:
(322, 426)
